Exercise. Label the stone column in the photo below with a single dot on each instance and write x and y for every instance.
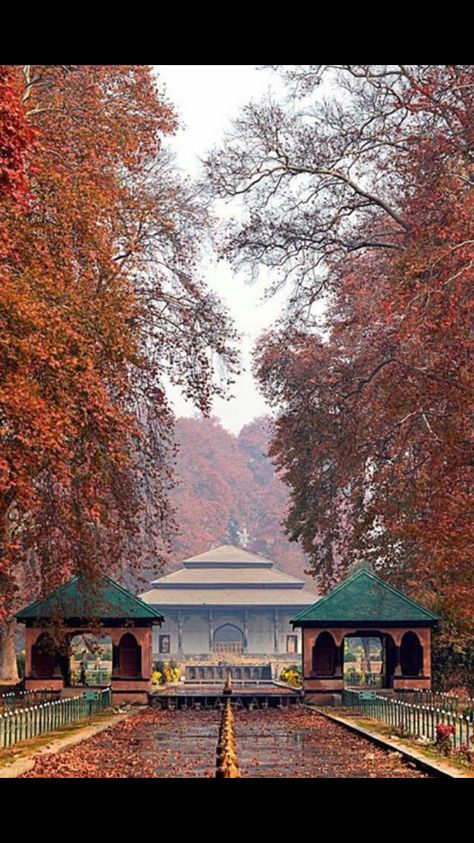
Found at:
(308, 638)
(246, 631)
(115, 661)
(180, 633)
(425, 636)
(339, 661)
(147, 649)
(275, 632)
(398, 667)
(211, 630)
(31, 635)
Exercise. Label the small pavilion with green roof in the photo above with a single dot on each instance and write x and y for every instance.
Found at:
(103, 608)
(365, 606)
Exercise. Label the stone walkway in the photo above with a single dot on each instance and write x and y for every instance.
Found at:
(270, 744)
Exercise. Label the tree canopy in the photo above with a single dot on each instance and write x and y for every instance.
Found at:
(357, 192)
(228, 492)
(102, 305)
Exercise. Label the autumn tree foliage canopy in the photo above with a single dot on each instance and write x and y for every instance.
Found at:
(358, 194)
(228, 492)
(101, 303)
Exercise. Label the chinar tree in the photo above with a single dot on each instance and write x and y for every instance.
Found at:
(101, 307)
(356, 191)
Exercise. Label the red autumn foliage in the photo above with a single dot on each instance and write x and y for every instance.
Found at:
(16, 140)
(100, 304)
(176, 744)
(228, 491)
(366, 201)
(444, 730)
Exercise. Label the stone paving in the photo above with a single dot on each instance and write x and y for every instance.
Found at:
(270, 744)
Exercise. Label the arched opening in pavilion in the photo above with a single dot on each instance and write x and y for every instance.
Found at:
(364, 657)
(228, 638)
(411, 655)
(128, 657)
(324, 655)
(90, 659)
(44, 657)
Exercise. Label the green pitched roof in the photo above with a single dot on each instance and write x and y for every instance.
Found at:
(365, 597)
(75, 599)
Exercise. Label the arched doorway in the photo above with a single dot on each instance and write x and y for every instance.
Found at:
(411, 655)
(89, 659)
(129, 657)
(324, 655)
(364, 659)
(44, 657)
(228, 639)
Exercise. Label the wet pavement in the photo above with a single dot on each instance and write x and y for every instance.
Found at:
(292, 743)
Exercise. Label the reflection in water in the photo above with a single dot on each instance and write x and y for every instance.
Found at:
(270, 744)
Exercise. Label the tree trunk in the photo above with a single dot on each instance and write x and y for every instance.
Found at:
(8, 665)
(366, 646)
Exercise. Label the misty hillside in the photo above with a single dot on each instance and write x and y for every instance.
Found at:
(227, 492)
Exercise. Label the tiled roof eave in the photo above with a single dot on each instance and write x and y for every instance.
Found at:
(364, 623)
(365, 595)
(116, 602)
(226, 585)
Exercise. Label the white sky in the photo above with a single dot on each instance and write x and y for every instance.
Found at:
(206, 98)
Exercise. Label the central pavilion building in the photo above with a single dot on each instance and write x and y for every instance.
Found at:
(228, 606)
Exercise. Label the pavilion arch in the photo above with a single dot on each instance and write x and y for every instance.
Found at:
(129, 657)
(228, 638)
(324, 655)
(411, 654)
(43, 657)
(388, 652)
(93, 640)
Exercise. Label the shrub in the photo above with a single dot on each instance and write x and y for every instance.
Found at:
(166, 672)
(466, 753)
(291, 675)
(443, 738)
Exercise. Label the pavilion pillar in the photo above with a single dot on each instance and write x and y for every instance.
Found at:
(180, 633)
(211, 630)
(31, 635)
(275, 632)
(339, 660)
(246, 630)
(398, 666)
(115, 659)
(426, 643)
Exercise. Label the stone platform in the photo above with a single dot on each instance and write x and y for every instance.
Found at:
(197, 696)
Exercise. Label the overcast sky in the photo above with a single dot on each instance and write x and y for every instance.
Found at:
(206, 98)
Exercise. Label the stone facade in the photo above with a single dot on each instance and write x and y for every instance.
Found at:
(265, 632)
(228, 606)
